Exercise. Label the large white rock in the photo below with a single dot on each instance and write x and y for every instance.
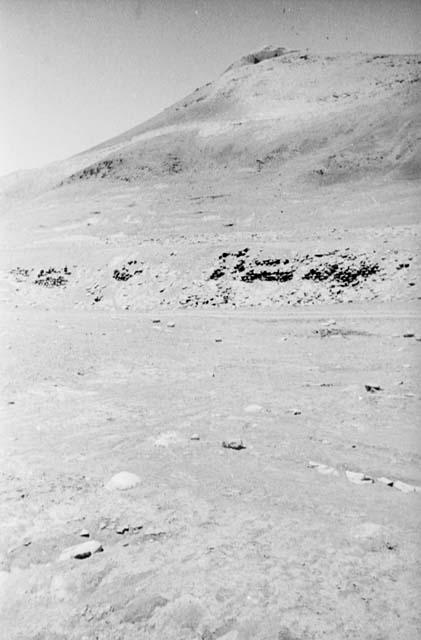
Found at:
(81, 551)
(122, 481)
(358, 478)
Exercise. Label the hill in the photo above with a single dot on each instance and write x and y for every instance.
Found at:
(271, 156)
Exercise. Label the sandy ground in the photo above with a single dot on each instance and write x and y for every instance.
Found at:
(250, 543)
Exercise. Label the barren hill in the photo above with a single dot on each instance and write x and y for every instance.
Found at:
(327, 118)
(332, 118)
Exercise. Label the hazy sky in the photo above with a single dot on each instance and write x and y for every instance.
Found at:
(76, 72)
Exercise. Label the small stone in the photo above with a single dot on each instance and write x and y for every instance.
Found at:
(84, 533)
(313, 465)
(358, 478)
(171, 324)
(391, 546)
(324, 469)
(122, 529)
(218, 339)
(409, 335)
(156, 321)
(237, 445)
(253, 408)
(81, 551)
(122, 481)
(371, 388)
(195, 436)
(386, 481)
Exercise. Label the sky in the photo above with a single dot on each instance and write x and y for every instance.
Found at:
(74, 73)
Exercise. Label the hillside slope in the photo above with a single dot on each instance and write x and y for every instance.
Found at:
(342, 115)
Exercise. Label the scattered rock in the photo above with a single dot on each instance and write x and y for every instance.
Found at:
(371, 388)
(195, 436)
(171, 324)
(358, 478)
(233, 444)
(386, 481)
(122, 481)
(218, 339)
(153, 533)
(81, 551)
(84, 533)
(391, 546)
(409, 335)
(313, 465)
(122, 529)
(324, 469)
(156, 321)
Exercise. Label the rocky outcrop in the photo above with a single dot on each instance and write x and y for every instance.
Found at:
(266, 53)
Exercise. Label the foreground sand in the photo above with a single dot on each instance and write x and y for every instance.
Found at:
(216, 542)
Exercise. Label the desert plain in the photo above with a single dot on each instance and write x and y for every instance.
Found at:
(210, 336)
